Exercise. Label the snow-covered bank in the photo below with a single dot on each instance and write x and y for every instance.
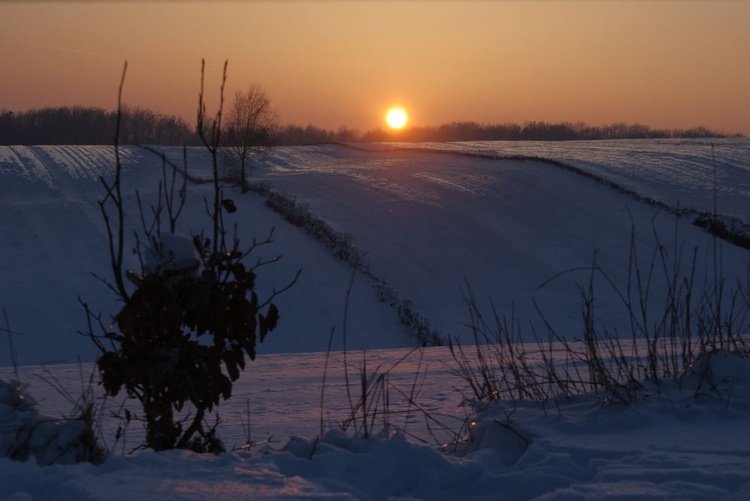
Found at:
(687, 441)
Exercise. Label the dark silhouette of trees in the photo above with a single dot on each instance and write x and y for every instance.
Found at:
(288, 135)
(535, 131)
(250, 123)
(143, 126)
(87, 125)
(7, 127)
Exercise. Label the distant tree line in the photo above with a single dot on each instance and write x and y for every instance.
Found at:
(88, 125)
(536, 131)
(298, 135)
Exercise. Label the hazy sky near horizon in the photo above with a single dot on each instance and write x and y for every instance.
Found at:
(340, 63)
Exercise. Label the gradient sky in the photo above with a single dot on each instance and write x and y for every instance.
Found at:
(666, 64)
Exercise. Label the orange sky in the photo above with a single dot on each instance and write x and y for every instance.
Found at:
(664, 63)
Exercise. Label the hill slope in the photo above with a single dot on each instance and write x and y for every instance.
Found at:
(428, 224)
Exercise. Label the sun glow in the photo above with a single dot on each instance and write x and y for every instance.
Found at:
(396, 118)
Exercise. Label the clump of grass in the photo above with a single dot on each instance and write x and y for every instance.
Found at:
(377, 402)
(656, 346)
(380, 403)
(25, 433)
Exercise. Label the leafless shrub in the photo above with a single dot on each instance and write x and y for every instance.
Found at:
(191, 316)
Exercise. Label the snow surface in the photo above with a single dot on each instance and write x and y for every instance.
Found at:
(170, 253)
(54, 239)
(678, 172)
(427, 222)
(685, 441)
(432, 223)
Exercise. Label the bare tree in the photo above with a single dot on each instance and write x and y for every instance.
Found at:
(249, 124)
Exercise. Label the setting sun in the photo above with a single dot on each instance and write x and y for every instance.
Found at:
(396, 118)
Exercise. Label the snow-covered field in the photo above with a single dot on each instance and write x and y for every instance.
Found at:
(678, 172)
(429, 224)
